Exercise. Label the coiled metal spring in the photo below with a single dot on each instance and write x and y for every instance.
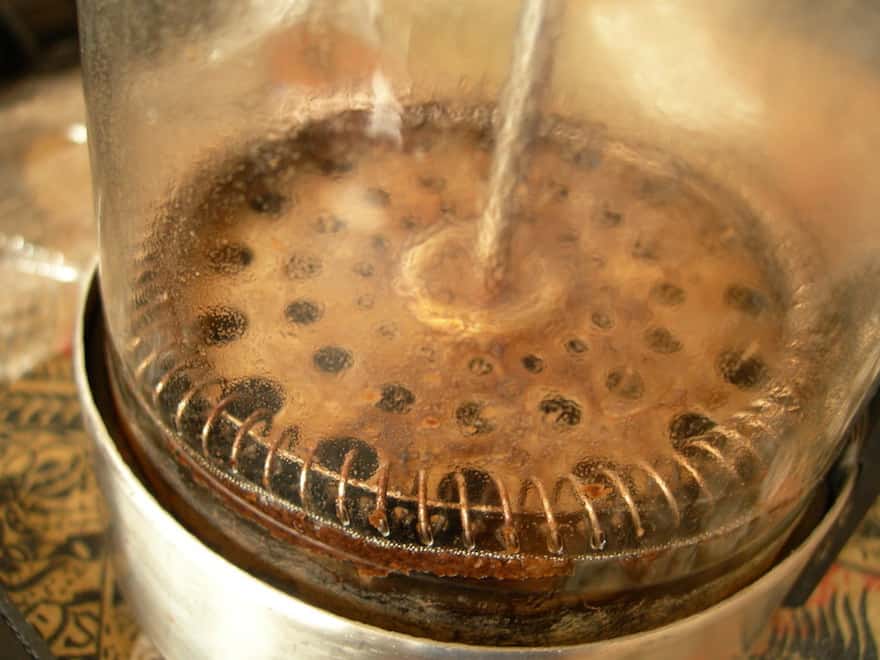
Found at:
(616, 478)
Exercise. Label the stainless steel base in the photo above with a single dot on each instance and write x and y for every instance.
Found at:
(193, 603)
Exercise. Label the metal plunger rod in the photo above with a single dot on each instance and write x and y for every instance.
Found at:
(518, 112)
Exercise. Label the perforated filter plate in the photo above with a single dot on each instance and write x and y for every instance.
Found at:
(309, 325)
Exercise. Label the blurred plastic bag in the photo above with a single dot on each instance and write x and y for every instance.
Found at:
(46, 227)
(37, 305)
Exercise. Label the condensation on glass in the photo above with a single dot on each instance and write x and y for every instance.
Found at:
(289, 197)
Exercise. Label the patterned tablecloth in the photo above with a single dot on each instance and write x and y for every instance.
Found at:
(53, 556)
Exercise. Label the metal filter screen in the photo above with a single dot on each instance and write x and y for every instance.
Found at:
(307, 327)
